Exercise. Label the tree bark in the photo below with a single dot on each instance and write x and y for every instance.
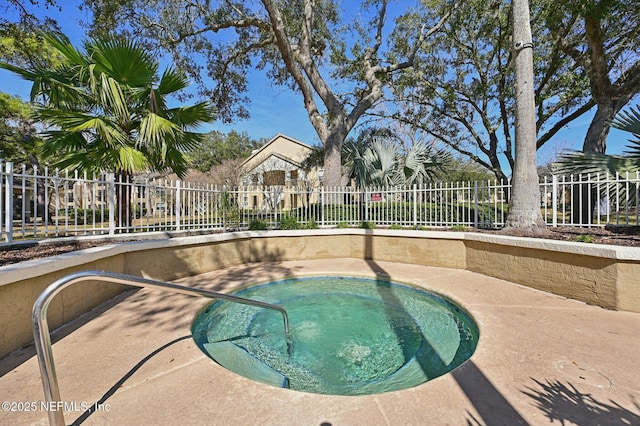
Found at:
(333, 160)
(524, 206)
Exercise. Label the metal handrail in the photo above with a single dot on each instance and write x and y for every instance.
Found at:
(42, 337)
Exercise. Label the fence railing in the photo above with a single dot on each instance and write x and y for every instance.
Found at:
(43, 204)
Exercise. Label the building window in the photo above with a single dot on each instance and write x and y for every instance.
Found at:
(274, 177)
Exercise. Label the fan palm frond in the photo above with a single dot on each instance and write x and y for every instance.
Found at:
(108, 108)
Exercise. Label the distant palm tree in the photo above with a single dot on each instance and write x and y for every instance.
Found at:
(377, 161)
(106, 108)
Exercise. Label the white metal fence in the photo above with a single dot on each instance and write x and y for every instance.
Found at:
(40, 205)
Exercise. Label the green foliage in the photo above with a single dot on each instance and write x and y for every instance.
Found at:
(18, 135)
(402, 213)
(395, 226)
(311, 224)
(584, 238)
(21, 46)
(315, 159)
(591, 162)
(289, 222)
(462, 170)
(258, 225)
(106, 106)
(375, 159)
(368, 225)
(79, 215)
(217, 147)
(459, 228)
(139, 211)
(229, 210)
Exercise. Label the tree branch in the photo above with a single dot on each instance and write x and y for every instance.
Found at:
(285, 48)
(563, 122)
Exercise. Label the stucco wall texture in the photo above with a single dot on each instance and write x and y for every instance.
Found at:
(600, 275)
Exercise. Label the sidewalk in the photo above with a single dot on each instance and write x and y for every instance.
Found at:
(541, 359)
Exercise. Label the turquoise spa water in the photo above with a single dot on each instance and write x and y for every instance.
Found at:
(349, 336)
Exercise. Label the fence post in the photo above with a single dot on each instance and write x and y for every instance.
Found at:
(475, 204)
(111, 181)
(415, 206)
(8, 202)
(322, 197)
(178, 205)
(554, 201)
(365, 219)
(225, 198)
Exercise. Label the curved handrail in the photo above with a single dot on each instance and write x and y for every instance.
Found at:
(42, 337)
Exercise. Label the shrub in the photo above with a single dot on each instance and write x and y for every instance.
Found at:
(289, 222)
(80, 214)
(395, 226)
(584, 238)
(368, 225)
(311, 224)
(258, 225)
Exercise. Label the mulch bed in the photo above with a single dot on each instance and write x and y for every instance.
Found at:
(27, 251)
(628, 236)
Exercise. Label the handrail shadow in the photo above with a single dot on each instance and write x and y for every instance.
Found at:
(13, 361)
(112, 390)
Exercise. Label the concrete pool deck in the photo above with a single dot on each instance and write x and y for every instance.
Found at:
(541, 359)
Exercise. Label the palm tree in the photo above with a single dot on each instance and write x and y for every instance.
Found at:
(524, 203)
(375, 160)
(575, 162)
(106, 107)
(592, 162)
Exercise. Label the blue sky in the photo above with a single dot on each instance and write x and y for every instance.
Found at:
(273, 109)
(276, 110)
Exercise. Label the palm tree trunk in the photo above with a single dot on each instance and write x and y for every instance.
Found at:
(524, 206)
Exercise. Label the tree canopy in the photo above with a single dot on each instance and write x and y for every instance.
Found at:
(107, 108)
(461, 89)
(601, 38)
(19, 139)
(217, 147)
(338, 64)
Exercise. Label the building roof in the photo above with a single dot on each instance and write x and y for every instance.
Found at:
(281, 147)
(281, 155)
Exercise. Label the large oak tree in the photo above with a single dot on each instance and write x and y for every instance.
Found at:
(602, 38)
(461, 90)
(340, 61)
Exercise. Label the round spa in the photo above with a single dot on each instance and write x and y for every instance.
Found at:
(348, 336)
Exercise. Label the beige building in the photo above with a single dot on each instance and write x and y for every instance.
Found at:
(273, 178)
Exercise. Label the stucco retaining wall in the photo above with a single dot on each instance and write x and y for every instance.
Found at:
(600, 275)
